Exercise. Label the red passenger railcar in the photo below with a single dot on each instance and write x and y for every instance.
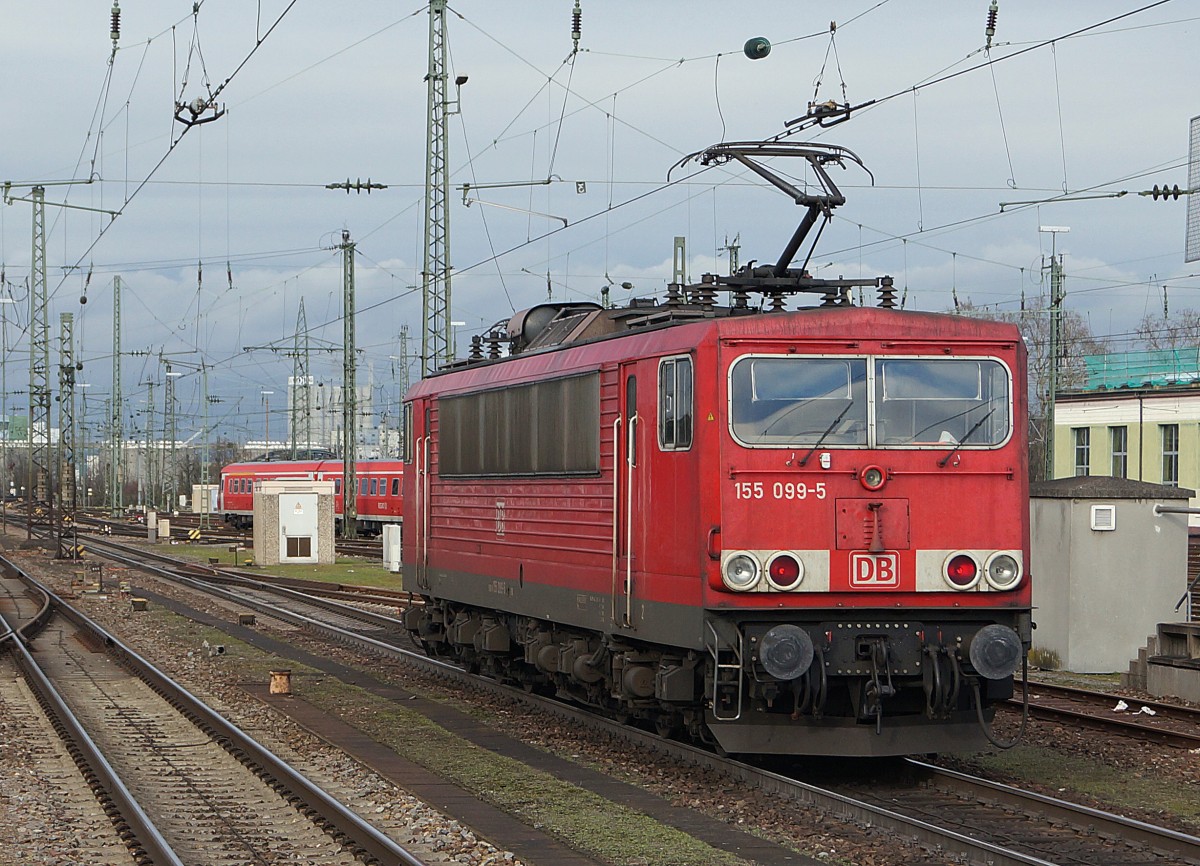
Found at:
(781, 532)
(379, 489)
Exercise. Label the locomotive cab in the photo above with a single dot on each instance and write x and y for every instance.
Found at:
(871, 569)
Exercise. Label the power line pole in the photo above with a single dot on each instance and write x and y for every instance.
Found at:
(170, 434)
(39, 361)
(300, 379)
(66, 415)
(117, 440)
(206, 497)
(1057, 294)
(349, 394)
(435, 274)
(151, 458)
(40, 456)
(404, 383)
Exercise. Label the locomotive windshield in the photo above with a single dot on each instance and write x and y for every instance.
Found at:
(795, 401)
(799, 401)
(948, 401)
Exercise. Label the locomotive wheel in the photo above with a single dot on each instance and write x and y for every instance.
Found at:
(667, 726)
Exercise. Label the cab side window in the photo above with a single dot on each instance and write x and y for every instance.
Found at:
(675, 404)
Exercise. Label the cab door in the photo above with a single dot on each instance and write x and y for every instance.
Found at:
(627, 485)
(417, 556)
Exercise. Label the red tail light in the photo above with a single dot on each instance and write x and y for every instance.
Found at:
(962, 571)
(784, 572)
(785, 569)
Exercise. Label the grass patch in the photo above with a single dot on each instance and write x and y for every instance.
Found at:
(251, 662)
(346, 569)
(358, 572)
(583, 819)
(1046, 659)
(1119, 789)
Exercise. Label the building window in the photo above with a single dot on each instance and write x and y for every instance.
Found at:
(1083, 450)
(1170, 454)
(1118, 440)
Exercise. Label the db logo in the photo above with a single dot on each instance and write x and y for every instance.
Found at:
(875, 570)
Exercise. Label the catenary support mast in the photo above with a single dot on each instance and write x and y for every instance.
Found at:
(435, 274)
(116, 431)
(39, 359)
(349, 394)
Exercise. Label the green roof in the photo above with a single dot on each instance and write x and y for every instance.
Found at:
(1141, 369)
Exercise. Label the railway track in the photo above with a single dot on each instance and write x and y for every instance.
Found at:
(181, 783)
(945, 811)
(1153, 721)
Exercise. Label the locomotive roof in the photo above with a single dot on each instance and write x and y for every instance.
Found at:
(548, 330)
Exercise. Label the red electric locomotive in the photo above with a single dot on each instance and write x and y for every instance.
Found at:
(788, 532)
(378, 499)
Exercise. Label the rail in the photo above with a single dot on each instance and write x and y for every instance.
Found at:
(338, 821)
(145, 840)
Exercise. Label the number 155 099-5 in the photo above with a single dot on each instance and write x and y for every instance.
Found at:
(779, 490)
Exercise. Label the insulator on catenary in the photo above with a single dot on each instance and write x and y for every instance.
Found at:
(116, 23)
(1166, 192)
(757, 48)
(576, 24)
(990, 29)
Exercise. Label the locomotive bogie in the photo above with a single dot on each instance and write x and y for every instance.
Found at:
(925, 677)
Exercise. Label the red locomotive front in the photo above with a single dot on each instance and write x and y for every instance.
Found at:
(873, 535)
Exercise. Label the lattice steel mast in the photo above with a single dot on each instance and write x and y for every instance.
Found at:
(66, 414)
(349, 394)
(435, 275)
(116, 428)
(404, 383)
(300, 379)
(39, 358)
(170, 434)
(151, 456)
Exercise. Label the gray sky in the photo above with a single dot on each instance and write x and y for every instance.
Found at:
(336, 91)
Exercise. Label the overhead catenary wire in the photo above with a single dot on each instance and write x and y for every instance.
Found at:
(609, 215)
(175, 141)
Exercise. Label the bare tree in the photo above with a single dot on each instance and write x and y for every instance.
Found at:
(1180, 330)
(1076, 340)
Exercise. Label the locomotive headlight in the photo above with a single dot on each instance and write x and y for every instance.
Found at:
(786, 651)
(1003, 571)
(995, 652)
(872, 477)
(740, 572)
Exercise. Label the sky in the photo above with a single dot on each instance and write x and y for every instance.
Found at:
(224, 227)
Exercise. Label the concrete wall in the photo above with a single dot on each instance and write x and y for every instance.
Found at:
(1098, 595)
